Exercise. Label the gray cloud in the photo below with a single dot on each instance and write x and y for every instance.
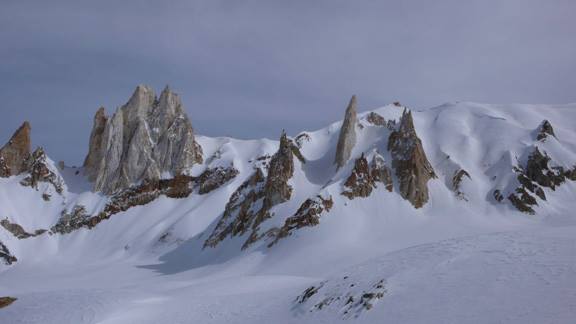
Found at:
(251, 68)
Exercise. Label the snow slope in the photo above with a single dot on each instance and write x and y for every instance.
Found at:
(453, 261)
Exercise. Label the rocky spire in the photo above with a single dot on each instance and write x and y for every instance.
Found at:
(144, 139)
(347, 137)
(281, 170)
(14, 154)
(94, 157)
(410, 162)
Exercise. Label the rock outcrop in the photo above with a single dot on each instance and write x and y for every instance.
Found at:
(380, 172)
(375, 119)
(364, 177)
(360, 182)
(348, 297)
(536, 175)
(280, 171)
(308, 214)
(238, 215)
(94, 157)
(145, 139)
(347, 137)
(410, 162)
(7, 301)
(251, 203)
(6, 255)
(214, 178)
(544, 130)
(18, 231)
(180, 186)
(39, 171)
(13, 155)
(457, 183)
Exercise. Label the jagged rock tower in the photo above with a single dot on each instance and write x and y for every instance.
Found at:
(347, 137)
(14, 154)
(144, 139)
(410, 162)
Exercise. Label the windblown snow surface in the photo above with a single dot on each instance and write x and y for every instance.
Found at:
(370, 260)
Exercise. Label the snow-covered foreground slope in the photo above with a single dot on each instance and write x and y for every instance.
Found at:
(511, 277)
(464, 257)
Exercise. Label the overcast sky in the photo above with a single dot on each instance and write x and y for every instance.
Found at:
(250, 68)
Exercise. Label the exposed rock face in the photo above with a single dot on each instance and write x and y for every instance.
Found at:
(348, 297)
(544, 130)
(6, 301)
(301, 139)
(94, 157)
(214, 178)
(375, 119)
(537, 174)
(39, 171)
(347, 137)
(178, 187)
(70, 221)
(380, 172)
(18, 231)
(144, 139)
(537, 170)
(360, 182)
(497, 194)
(571, 174)
(280, 171)
(250, 204)
(308, 214)
(4, 170)
(14, 154)
(239, 215)
(457, 182)
(6, 255)
(410, 162)
(364, 177)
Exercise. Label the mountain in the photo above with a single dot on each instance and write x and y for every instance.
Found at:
(457, 213)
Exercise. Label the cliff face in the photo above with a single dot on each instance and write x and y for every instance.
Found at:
(347, 137)
(410, 162)
(13, 155)
(94, 156)
(145, 138)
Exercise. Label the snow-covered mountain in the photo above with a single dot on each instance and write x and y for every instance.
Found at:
(460, 213)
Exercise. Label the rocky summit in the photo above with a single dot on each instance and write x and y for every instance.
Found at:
(144, 139)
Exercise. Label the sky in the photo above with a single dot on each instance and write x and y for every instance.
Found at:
(249, 69)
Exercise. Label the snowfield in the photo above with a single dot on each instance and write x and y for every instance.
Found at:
(459, 259)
